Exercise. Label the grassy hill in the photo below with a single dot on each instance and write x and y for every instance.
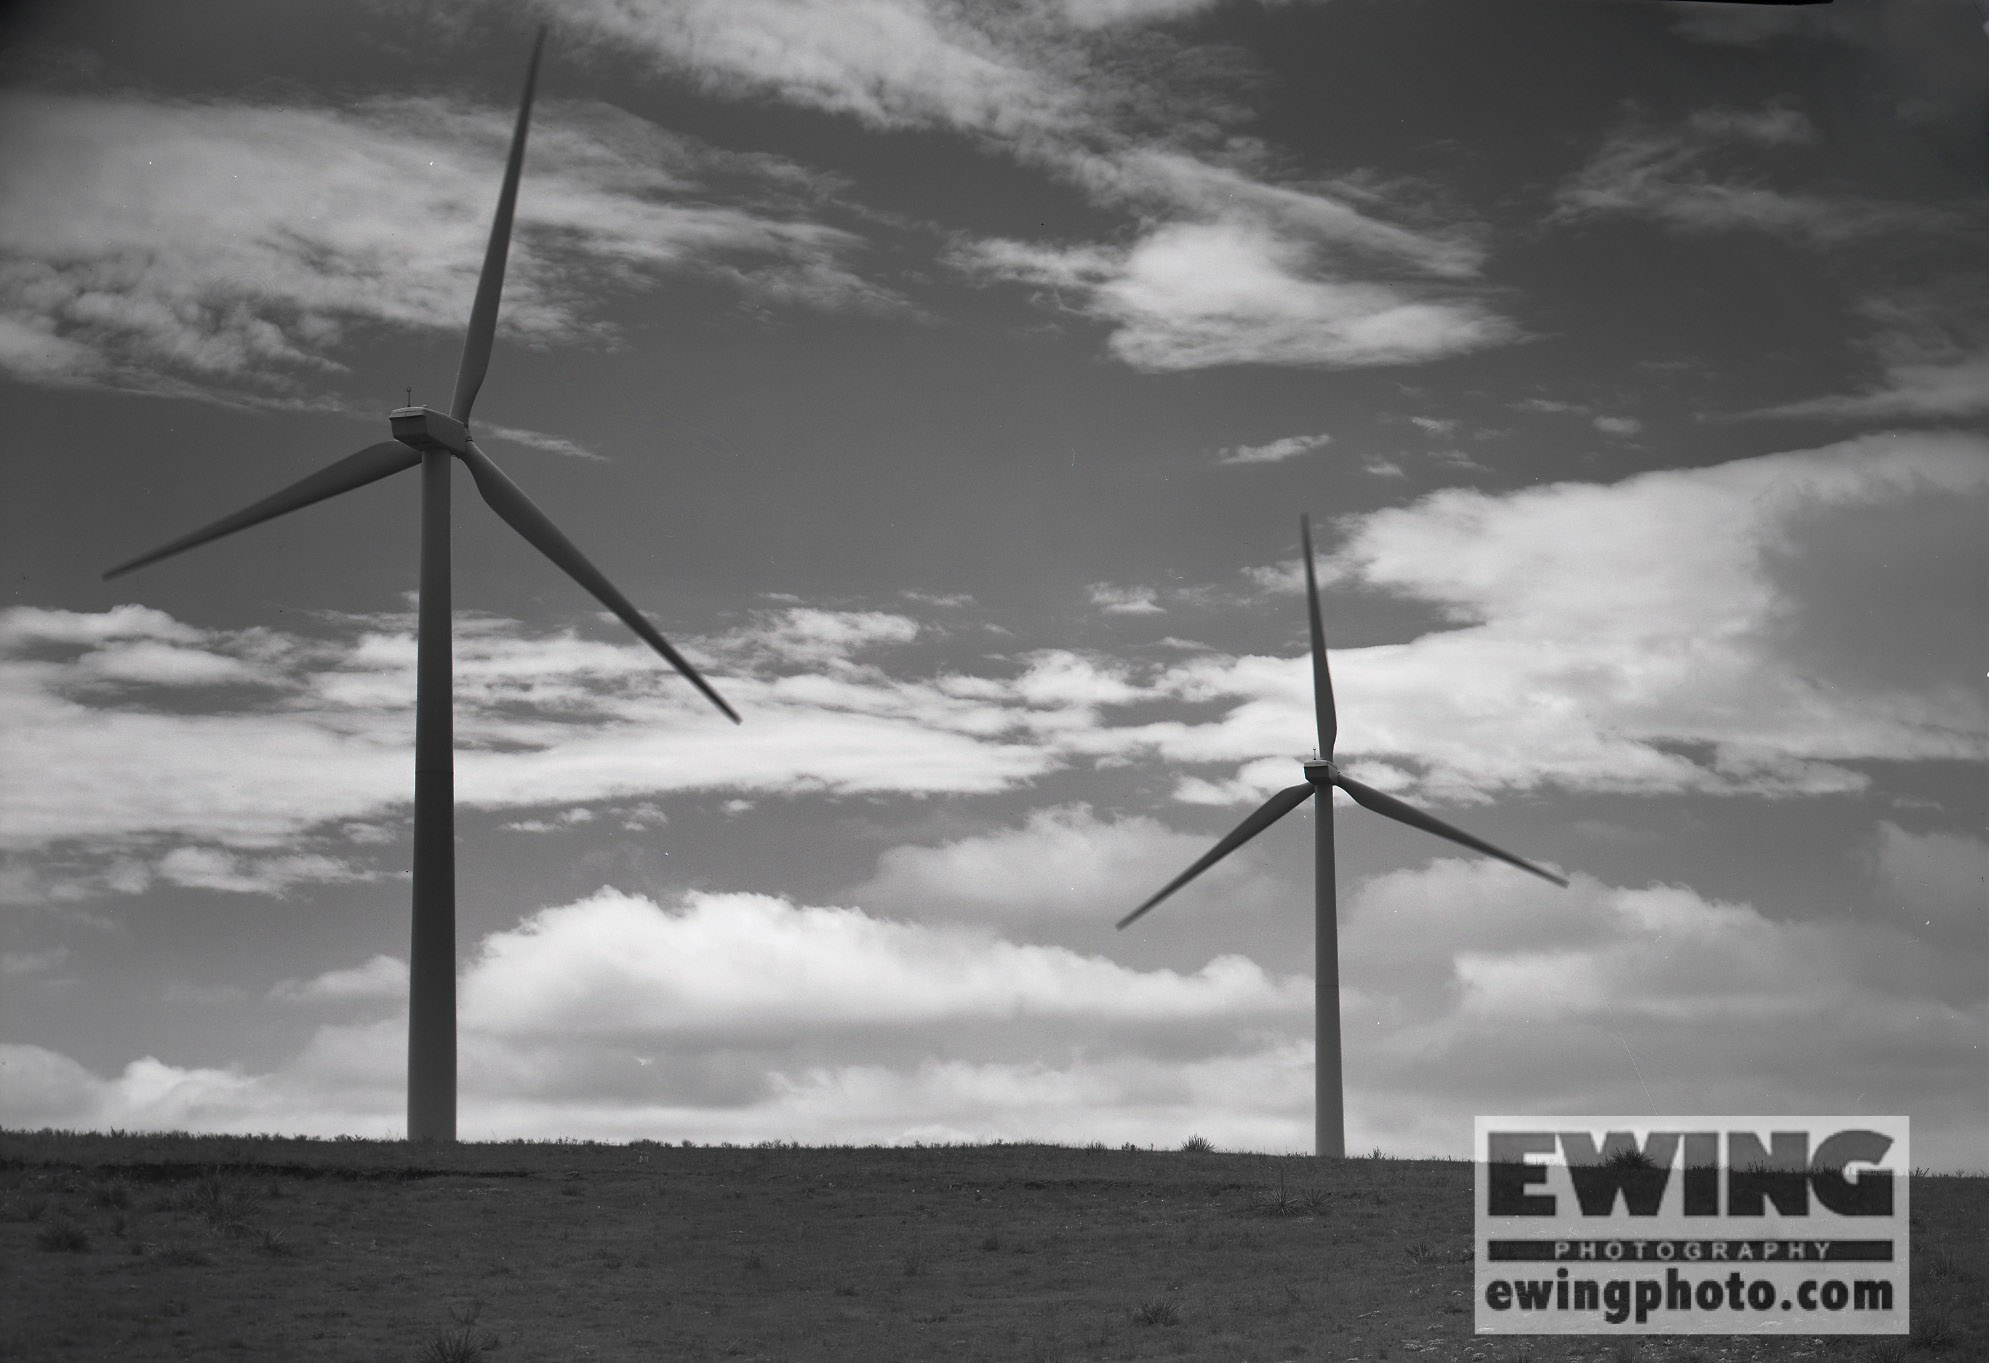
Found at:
(171, 1247)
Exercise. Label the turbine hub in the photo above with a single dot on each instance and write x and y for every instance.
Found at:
(1321, 772)
(425, 429)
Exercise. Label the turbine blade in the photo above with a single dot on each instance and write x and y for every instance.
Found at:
(517, 510)
(1322, 676)
(1273, 809)
(483, 313)
(1390, 807)
(355, 470)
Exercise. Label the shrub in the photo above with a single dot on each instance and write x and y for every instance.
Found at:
(463, 1342)
(63, 1237)
(1932, 1331)
(1158, 1311)
(1197, 1145)
(184, 1255)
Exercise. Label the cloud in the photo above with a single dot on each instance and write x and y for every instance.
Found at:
(1933, 884)
(1713, 630)
(383, 977)
(234, 248)
(738, 968)
(745, 1017)
(1063, 864)
(742, 1016)
(1231, 267)
(549, 720)
(1489, 994)
(1274, 452)
(1758, 627)
(1711, 172)
(1099, 13)
(803, 635)
(1947, 387)
(212, 868)
(1124, 600)
(887, 63)
(1195, 295)
(1618, 425)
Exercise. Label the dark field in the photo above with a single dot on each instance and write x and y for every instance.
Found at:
(148, 1247)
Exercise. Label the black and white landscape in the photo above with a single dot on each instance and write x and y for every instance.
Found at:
(946, 381)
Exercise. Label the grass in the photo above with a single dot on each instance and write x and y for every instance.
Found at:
(464, 1341)
(333, 1250)
(64, 1237)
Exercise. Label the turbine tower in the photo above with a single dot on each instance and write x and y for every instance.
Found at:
(430, 439)
(1329, 1101)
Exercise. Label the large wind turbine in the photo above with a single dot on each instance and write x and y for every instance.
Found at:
(1329, 1102)
(431, 439)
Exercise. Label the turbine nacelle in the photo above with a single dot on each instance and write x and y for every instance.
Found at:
(424, 429)
(1320, 772)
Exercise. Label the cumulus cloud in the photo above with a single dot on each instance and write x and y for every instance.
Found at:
(194, 247)
(1687, 630)
(1490, 994)
(744, 1017)
(1064, 864)
(746, 968)
(383, 977)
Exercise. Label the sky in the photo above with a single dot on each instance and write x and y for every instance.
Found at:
(947, 380)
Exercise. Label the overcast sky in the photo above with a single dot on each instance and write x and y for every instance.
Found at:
(948, 380)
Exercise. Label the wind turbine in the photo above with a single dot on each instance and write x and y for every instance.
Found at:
(1329, 1101)
(430, 439)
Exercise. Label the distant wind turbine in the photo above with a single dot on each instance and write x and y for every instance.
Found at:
(1329, 1102)
(430, 439)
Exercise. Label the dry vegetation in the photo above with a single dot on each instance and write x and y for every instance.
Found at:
(144, 1247)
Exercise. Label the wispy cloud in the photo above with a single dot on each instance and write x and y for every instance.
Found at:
(1232, 265)
(1195, 295)
(1932, 389)
(220, 247)
(1675, 631)
(1716, 172)
(1274, 451)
